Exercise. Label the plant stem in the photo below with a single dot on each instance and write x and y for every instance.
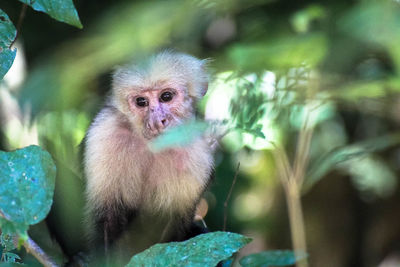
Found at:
(32, 248)
(229, 196)
(292, 181)
(20, 21)
(296, 223)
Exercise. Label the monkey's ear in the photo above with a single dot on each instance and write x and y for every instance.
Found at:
(205, 78)
(204, 88)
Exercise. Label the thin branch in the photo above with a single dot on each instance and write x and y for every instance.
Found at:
(284, 168)
(302, 150)
(19, 24)
(229, 196)
(296, 220)
(214, 141)
(32, 248)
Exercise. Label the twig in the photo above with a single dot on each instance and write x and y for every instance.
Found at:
(32, 248)
(229, 196)
(284, 168)
(19, 24)
(302, 150)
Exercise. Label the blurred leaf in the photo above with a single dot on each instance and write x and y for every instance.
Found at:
(376, 21)
(7, 36)
(27, 178)
(63, 11)
(293, 51)
(272, 258)
(202, 250)
(11, 264)
(372, 176)
(366, 89)
(181, 135)
(302, 19)
(322, 165)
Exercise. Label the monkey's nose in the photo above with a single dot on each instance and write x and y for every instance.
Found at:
(162, 124)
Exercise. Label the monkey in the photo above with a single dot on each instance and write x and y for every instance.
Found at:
(136, 197)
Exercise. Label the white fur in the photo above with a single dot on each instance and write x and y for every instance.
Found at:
(118, 164)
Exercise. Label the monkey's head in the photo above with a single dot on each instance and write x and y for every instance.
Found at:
(159, 93)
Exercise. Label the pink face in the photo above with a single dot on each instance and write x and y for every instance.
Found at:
(157, 108)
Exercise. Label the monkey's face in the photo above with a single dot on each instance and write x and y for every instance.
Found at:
(157, 109)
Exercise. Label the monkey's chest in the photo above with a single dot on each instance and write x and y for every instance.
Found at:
(173, 183)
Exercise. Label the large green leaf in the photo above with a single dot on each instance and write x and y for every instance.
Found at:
(272, 258)
(61, 10)
(27, 178)
(7, 36)
(203, 250)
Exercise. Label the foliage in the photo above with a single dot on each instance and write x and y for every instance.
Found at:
(6, 248)
(63, 11)
(202, 250)
(326, 63)
(7, 35)
(271, 258)
(27, 179)
(60, 10)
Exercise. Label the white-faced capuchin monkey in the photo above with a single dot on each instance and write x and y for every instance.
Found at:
(136, 197)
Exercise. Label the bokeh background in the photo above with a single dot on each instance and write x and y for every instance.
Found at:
(272, 63)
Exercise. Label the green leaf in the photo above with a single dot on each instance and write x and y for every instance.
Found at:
(202, 250)
(27, 178)
(7, 36)
(292, 51)
(10, 257)
(11, 264)
(330, 160)
(61, 10)
(7, 241)
(181, 135)
(272, 258)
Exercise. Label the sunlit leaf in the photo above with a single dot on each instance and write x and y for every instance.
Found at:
(61, 10)
(272, 258)
(27, 178)
(202, 251)
(280, 53)
(7, 36)
(181, 135)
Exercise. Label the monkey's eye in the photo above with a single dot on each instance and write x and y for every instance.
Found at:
(166, 96)
(142, 102)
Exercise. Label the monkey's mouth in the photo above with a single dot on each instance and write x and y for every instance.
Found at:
(152, 132)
